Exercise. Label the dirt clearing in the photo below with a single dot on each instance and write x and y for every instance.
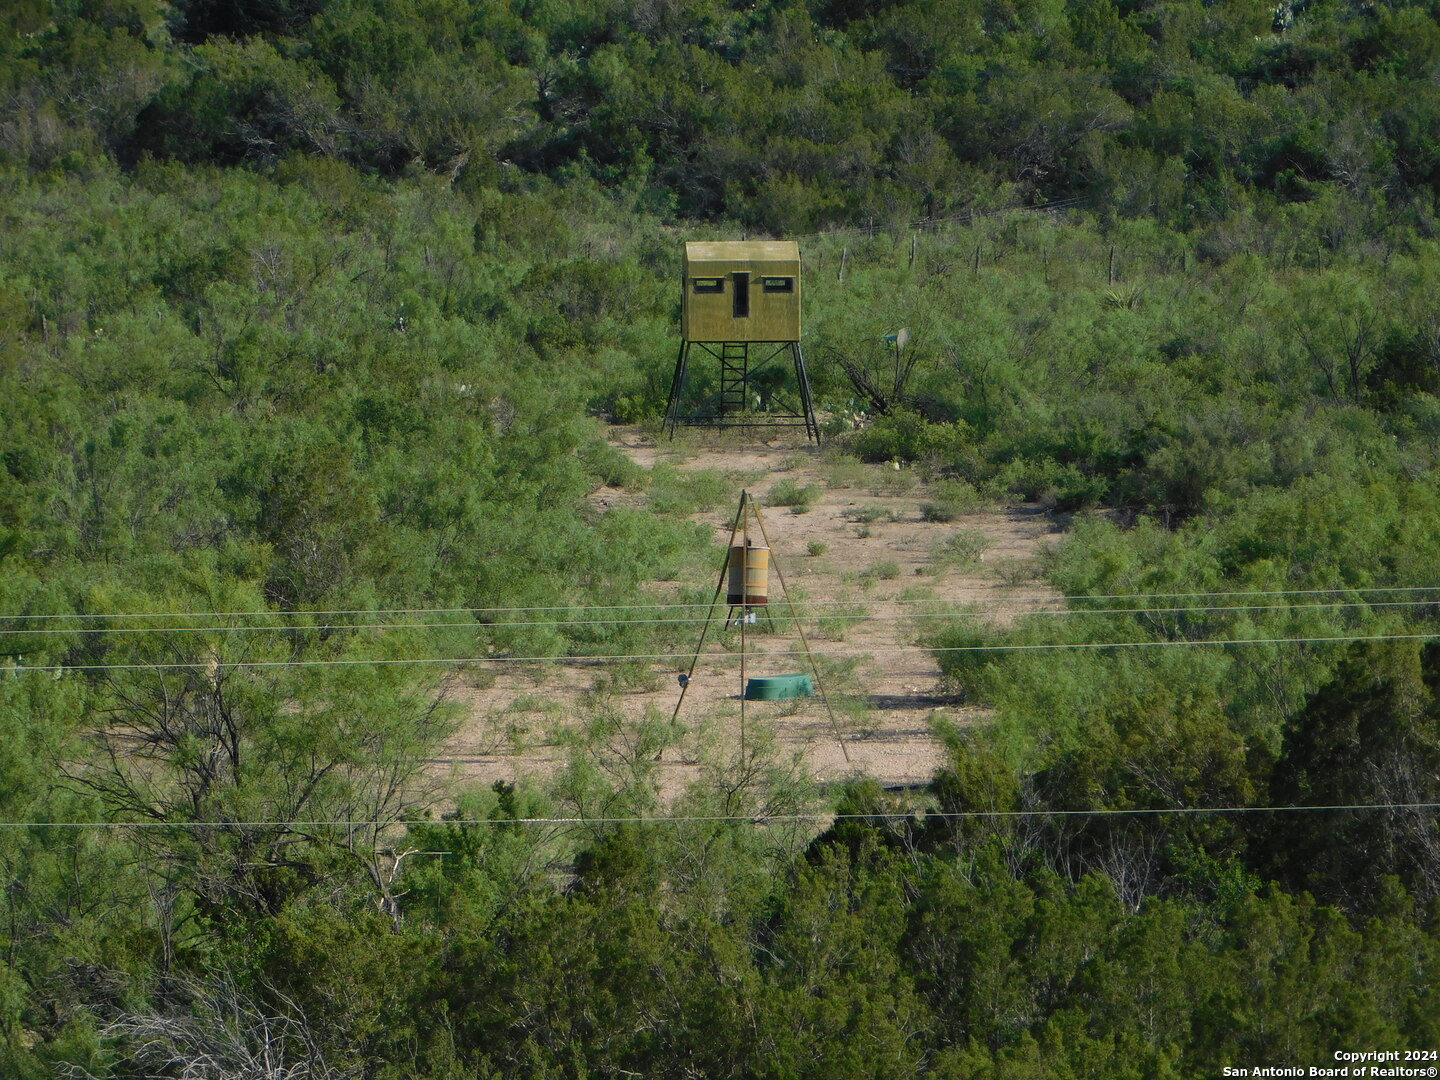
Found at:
(867, 571)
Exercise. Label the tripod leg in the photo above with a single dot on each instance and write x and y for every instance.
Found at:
(709, 612)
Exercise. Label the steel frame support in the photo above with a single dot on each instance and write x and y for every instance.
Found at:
(736, 371)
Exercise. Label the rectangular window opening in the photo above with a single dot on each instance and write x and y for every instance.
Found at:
(742, 296)
(708, 284)
(778, 284)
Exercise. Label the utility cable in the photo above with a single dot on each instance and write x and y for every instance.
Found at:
(757, 818)
(1076, 598)
(715, 657)
(969, 611)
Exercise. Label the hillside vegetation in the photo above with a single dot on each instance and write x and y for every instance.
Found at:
(311, 315)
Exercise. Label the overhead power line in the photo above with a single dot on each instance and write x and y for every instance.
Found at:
(966, 612)
(758, 818)
(674, 605)
(715, 657)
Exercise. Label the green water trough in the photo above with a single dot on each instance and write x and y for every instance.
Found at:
(778, 687)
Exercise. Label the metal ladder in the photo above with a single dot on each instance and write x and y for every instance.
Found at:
(734, 376)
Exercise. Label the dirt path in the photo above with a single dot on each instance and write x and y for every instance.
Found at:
(865, 565)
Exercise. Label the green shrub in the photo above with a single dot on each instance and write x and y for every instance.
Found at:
(892, 480)
(963, 548)
(1080, 492)
(632, 675)
(788, 493)
(1056, 486)
(905, 435)
(841, 470)
(867, 515)
(896, 436)
(676, 492)
(1018, 571)
(610, 465)
(953, 499)
(634, 408)
(833, 621)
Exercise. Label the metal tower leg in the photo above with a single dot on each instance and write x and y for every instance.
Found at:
(807, 406)
(677, 388)
(732, 404)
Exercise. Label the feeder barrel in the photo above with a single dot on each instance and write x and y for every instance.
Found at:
(749, 576)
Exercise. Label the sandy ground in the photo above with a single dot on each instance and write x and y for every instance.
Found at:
(864, 599)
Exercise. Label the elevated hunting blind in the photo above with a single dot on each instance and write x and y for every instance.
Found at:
(741, 305)
(741, 292)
